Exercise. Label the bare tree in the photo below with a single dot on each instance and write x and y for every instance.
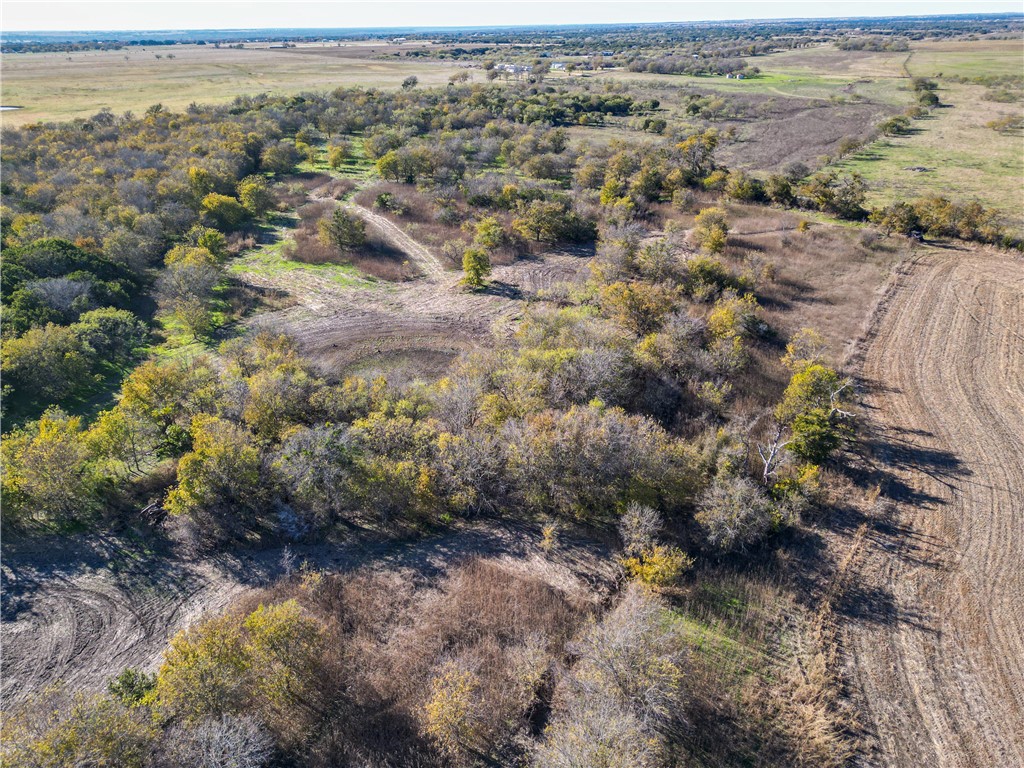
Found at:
(639, 527)
(771, 454)
(226, 742)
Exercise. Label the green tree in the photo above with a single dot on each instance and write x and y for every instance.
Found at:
(254, 194)
(710, 229)
(114, 335)
(48, 363)
(338, 154)
(476, 266)
(46, 472)
(489, 234)
(343, 230)
(50, 731)
(221, 483)
(280, 158)
(223, 211)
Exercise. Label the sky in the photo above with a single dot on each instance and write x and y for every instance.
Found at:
(77, 15)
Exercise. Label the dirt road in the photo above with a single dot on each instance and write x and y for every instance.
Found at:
(419, 254)
(936, 644)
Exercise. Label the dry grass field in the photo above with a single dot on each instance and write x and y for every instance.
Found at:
(60, 86)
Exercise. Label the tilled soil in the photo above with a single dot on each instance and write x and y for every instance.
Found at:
(936, 645)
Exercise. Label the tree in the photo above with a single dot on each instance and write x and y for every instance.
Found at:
(742, 186)
(815, 436)
(710, 228)
(476, 266)
(734, 514)
(898, 217)
(228, 741)
(639, 306)
(657, 566)
(343, 230)
(168, 394)
(840, 195)
(639, 527)
(814, 386)
(208, 239)
(338, 154)
(185, 287)
(452, 711)
(221, 482)
(46, 472)
(489, 234)
(626, 690)
(114, 335)
(779, 190)
(254, 194)
(314, 465)
(280, 157)
(131, 687)
(266, 663)
(47, 363)
(698, 155)
(551, 221)
(125, 435)
(54, 729)
(223, 211)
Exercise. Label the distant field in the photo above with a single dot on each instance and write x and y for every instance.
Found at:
(963, 158)
(60, 86)
(968, 58)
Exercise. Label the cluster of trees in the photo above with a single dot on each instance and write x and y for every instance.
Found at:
(694, 65)
(940, 217)
(872, 43)
(98, 212)
(572, 416)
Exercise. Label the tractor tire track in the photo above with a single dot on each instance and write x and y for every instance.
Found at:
(936, 635)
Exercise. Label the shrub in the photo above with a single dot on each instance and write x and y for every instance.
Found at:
(734, 514)
(227, 741)
(710, 229)
(52, 730)
(658, 565)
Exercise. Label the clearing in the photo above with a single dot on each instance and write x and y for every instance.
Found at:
(936, 643)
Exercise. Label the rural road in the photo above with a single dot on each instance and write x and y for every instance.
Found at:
(936, 639)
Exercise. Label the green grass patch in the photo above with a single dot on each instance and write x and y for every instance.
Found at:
(269, 261)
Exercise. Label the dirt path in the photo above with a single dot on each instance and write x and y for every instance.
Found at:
(936, 645)
(80, 611)
(417, 253)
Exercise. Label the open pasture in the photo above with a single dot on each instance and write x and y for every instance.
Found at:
(62, 86)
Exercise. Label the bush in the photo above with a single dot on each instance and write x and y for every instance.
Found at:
(734, 514)
(343, 230)
(227, 741)
(55, 730)
(710, 229)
